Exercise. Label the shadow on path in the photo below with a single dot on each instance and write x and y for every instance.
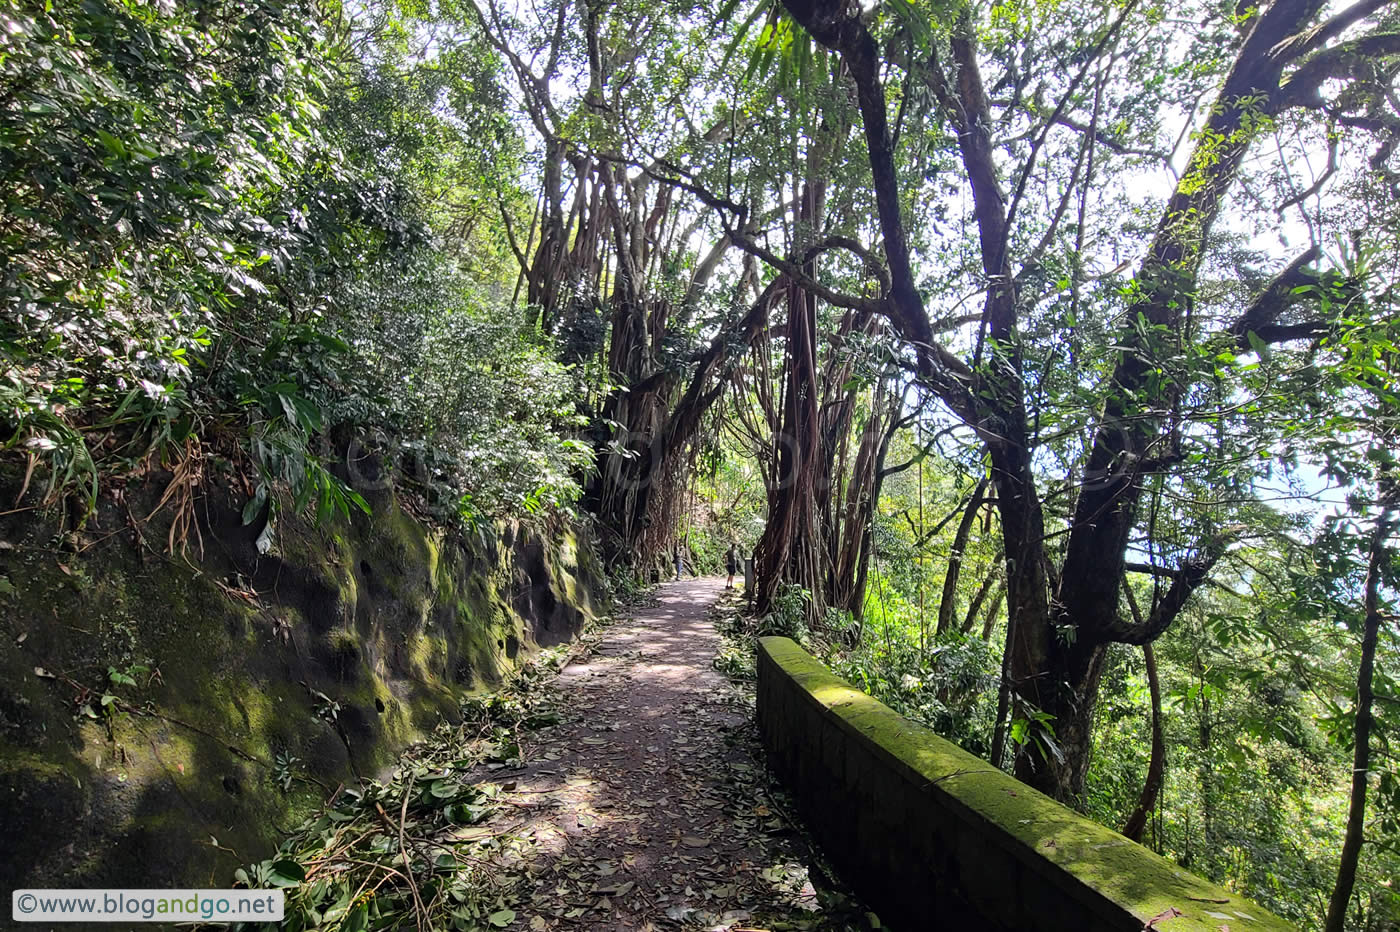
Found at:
(647, 807)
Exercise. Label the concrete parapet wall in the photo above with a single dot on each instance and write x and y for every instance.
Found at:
(934, 838)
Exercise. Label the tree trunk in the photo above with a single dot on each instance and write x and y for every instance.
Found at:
(980, 596)
(989, 624)
(1361, 759)
(948, 603)
(789, 541)
(1152, 785)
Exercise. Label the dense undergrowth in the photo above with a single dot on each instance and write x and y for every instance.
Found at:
(233, 231)
(949, 686)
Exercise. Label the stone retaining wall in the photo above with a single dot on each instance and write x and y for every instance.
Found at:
(934, 838)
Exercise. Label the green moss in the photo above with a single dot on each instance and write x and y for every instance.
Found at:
(24, 760)
(344, 639)
(394, 620)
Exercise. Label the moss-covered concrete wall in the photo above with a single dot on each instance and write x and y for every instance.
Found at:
(248, 686)
(934, 838)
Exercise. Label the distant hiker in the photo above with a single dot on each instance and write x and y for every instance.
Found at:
(680, 559)
(731, 565)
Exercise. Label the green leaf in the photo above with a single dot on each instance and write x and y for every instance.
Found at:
(331, 343)
(254, 506)
(357, 499)
(1261, 349)
(445, 789)
(467, 814)
(501, 918)
(357, 921)
(111, 143)
(285, 873)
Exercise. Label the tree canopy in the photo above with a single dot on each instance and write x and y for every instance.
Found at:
(1042, 356)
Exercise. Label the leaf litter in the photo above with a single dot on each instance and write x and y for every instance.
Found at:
(617, 784)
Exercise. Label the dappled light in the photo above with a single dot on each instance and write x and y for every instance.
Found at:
(642, 806)
(1031, 366)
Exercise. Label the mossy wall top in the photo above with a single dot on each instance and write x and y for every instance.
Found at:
(163, 719)
(932, 837)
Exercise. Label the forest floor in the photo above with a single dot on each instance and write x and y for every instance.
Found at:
(648, 805)
(616, 783)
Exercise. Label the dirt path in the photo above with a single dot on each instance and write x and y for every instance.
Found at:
(647, 807)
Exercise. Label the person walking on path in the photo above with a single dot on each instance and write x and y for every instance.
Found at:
(680, 558)
(731, 564)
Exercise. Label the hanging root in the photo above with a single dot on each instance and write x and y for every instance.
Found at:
(188, 475)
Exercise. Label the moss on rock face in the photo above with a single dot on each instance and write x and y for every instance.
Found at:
(243, 687)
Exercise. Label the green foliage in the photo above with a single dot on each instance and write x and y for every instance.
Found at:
(950, 686)
(468, 403)
(146, 186)
(221, 231)
(788, 618)
(428, 802)
(707, 546)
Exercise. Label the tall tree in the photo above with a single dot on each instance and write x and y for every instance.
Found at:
(1064, 613)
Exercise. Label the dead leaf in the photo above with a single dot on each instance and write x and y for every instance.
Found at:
(695, 841)
(1171, 912)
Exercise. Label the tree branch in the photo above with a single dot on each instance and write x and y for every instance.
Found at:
(1303, 88)
(1315, 38)
(1278, 295)
(1188, 577)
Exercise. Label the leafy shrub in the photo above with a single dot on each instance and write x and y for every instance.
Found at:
(950, 687)
(788, 616)
(222, 235)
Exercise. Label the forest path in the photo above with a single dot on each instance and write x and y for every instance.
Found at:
(648, 806)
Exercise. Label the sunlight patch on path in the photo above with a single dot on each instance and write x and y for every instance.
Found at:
(645, 808)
